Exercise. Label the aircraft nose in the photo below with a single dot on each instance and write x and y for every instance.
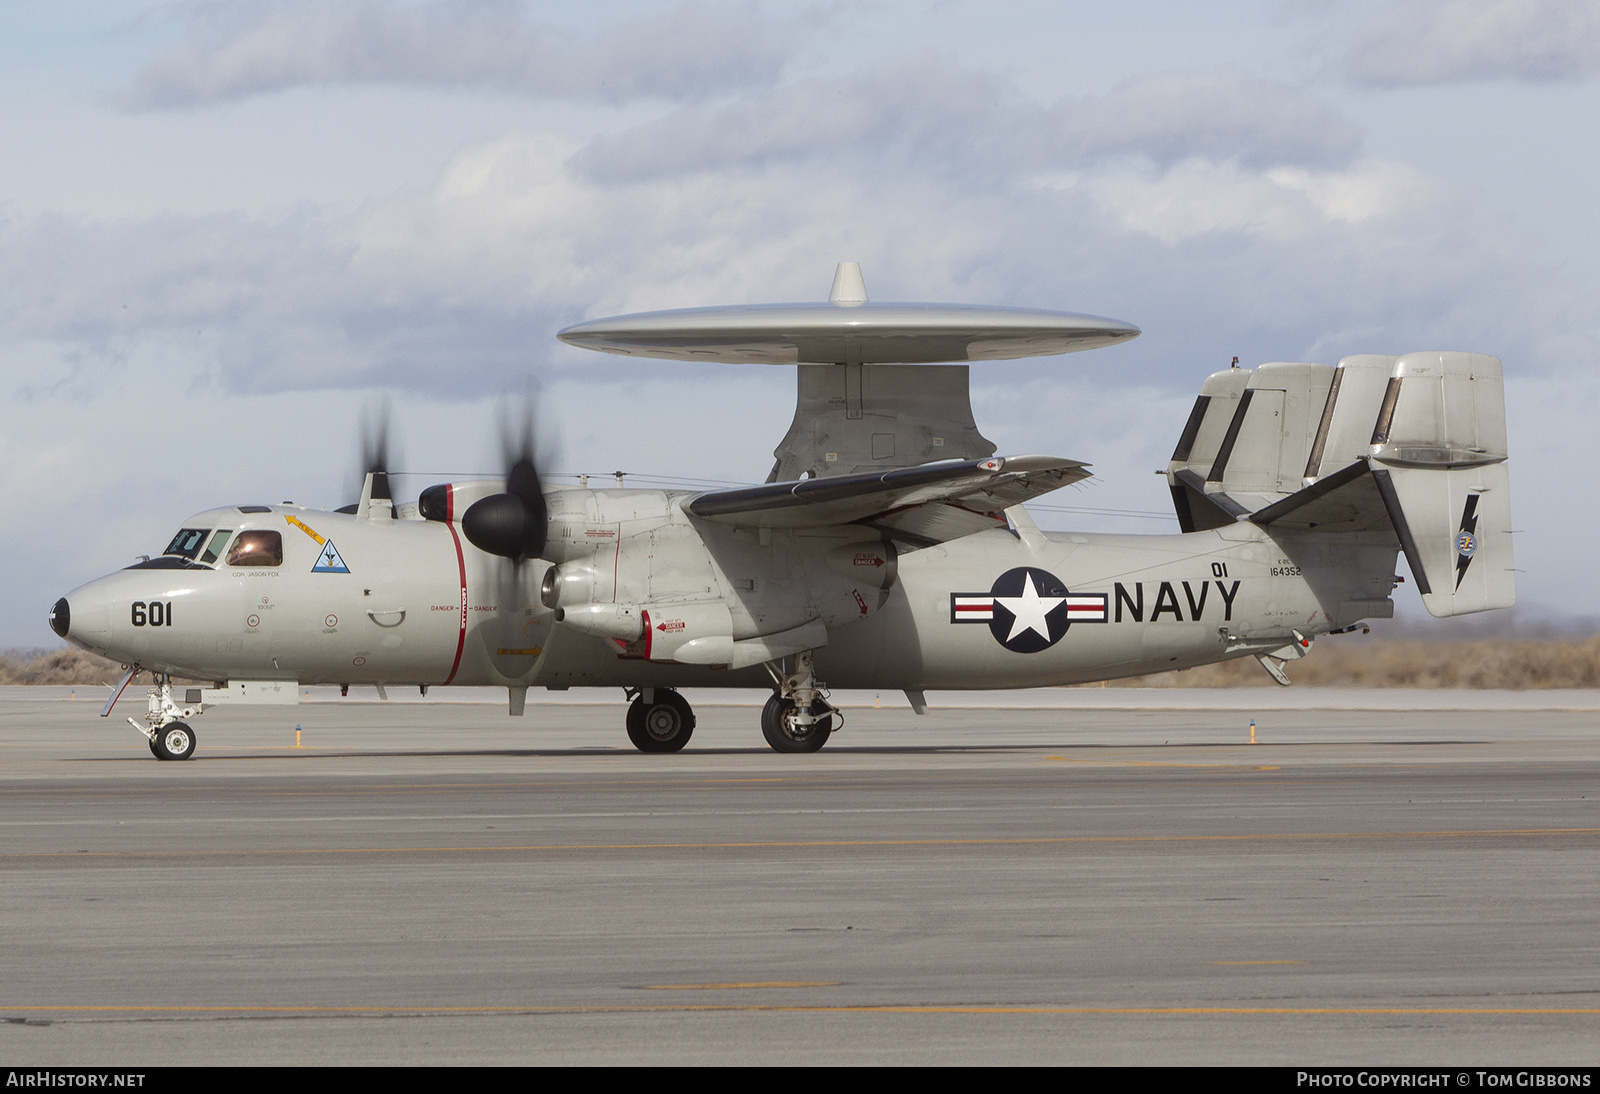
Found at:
(61, 617)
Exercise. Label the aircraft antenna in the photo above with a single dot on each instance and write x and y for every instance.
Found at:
(849, 289)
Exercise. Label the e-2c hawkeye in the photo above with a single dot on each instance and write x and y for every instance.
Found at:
(890, 547)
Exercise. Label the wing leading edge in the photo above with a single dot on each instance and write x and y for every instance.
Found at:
(930, 503)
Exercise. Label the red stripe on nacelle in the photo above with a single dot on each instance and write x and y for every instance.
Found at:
(461, 566)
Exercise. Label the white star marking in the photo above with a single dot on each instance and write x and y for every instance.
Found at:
(1029, 610)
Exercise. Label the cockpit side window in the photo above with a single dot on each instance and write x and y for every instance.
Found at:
(186, 543)
(256, 547)
(214, 551)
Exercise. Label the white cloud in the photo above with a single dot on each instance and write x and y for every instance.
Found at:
(232, 50)
(951, 120)
(1227, 114)
(917, 107)
(1442, 41)
(1286, 205)
(459, 288)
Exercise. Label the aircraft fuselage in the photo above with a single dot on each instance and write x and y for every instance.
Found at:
(409, 601)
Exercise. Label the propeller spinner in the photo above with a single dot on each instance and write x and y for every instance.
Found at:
(511, 525)
(514, 524)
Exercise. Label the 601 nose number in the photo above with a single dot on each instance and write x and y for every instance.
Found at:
(153, 614)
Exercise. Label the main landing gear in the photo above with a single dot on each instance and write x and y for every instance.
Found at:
(170, 737)
(798, 718)
(659, 720)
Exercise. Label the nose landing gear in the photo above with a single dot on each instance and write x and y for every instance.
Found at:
(170, 737)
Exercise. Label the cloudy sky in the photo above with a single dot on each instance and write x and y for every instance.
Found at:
(225, 228)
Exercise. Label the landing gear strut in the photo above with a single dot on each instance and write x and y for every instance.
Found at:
(798, 718)
(170, 737)
(659, 720)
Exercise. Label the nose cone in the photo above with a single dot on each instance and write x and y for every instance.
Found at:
(83, 616)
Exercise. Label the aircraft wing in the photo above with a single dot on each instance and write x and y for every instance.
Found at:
(929, 503)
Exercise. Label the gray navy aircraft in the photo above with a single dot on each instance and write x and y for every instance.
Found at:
(890, 547)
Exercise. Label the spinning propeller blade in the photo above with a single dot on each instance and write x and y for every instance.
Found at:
(375, 447)
(378, 454)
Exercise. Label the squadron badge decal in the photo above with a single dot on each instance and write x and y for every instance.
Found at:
(1467, 537)
(329, 562)
(1028, 610)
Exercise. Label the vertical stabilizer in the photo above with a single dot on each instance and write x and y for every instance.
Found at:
(1345, 429)
(1268, 441)
(1246, 442)
(1202, 438)
(1438, 453)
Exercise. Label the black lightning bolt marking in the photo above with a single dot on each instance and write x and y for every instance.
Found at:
(1469, 525)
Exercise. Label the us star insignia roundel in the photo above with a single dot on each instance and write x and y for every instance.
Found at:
(1028, 610)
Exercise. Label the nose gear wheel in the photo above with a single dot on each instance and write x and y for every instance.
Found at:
(173, 741)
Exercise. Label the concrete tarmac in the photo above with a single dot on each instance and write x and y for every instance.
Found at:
(434, 882)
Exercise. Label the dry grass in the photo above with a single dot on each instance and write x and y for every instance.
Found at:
(65, 666)
(1342, 661)
(1357, 661)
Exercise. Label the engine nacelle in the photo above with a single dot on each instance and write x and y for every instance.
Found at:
(873, 564)
(621, 622)
(635, 568)
(573, 583)
(694, 632)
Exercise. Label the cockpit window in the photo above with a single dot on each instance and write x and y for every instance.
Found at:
(256, 548)
(218, 538)
(186, 543)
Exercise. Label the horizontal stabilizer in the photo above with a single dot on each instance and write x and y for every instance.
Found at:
(942, 500)
(1346, 501)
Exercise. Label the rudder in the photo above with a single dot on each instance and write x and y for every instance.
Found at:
(1439, 459)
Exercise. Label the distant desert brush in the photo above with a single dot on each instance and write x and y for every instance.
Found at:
(64, 666)
(1365, 661)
